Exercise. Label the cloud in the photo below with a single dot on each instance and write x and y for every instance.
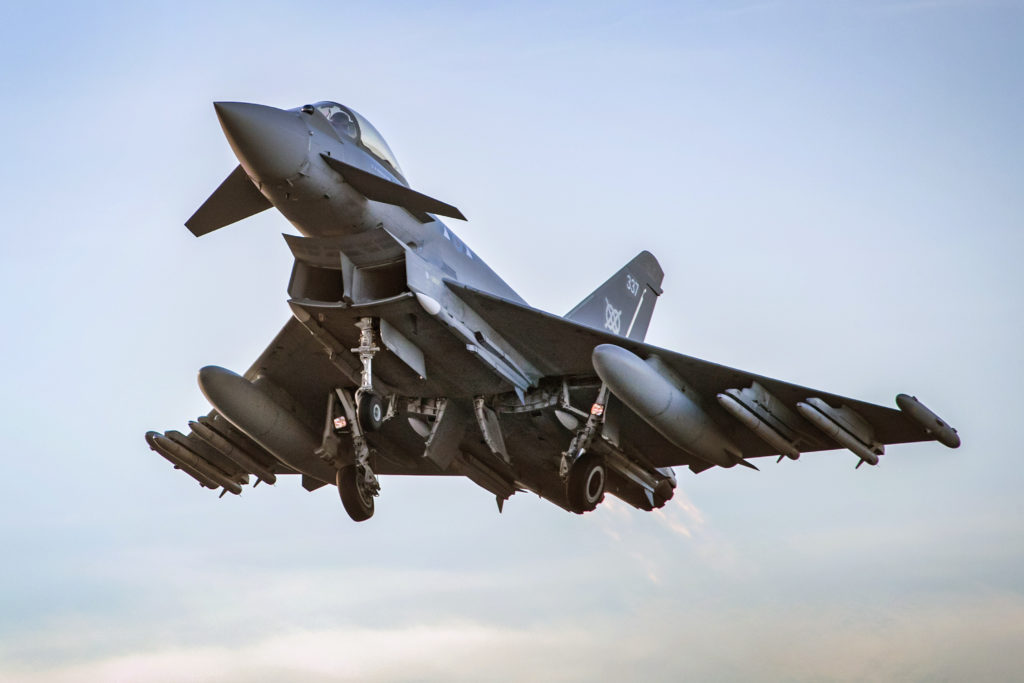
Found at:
(953, 637)
(681, 516)
(438, 651)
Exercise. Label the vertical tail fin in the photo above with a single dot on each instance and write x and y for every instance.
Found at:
(624, 304)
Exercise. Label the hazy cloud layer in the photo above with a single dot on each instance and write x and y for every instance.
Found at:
(955, 638)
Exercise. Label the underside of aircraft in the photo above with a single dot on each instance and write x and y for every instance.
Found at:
(406, 354)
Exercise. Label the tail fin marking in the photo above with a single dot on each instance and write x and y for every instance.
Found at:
(628, 297)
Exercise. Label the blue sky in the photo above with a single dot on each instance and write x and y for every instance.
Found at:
(833, 190)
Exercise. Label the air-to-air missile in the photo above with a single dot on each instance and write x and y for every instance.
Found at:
(191, 463)
(844, 427)
(232, 452)
(731, 401)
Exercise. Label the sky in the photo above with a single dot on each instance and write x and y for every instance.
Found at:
(833, 190)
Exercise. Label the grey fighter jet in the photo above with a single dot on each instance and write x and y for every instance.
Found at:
(406, 354)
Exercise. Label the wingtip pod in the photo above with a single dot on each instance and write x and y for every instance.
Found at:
(932, 423)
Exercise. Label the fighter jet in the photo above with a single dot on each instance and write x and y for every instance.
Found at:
(407, 355)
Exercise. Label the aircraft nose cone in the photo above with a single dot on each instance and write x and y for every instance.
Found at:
(272, 144)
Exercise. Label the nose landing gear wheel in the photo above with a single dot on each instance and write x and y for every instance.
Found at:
(355, 495)
(585, 485)
(370, 411)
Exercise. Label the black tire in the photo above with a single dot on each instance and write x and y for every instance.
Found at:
(357, 500)
(586, 482)
(370, 411)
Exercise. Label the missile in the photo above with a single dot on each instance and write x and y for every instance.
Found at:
(232, 452)
(663, 405)
(754, 423)
(818, 414)
(931, 422)
(198, 476)
(209, 456)
(191, 463)
(259, 417)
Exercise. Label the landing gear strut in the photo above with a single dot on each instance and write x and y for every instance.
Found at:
(369, 406)
(584, 472)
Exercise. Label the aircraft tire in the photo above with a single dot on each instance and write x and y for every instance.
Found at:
(585, 486)
(370, 411)
(358, 502)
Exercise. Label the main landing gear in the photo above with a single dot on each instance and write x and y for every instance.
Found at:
(357, 487)
(585, 483)
(583, 471)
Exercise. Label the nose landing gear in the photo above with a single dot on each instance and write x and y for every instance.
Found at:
(369, 406)
(355, 414)
(369, 411)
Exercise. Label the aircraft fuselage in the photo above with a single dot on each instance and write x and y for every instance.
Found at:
(407, 354)
(283, 153)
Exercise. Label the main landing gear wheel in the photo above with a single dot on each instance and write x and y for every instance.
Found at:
(369, 411)
(585, 485)
(355, 495)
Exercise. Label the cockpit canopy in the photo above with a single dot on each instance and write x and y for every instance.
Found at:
(351, 125)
